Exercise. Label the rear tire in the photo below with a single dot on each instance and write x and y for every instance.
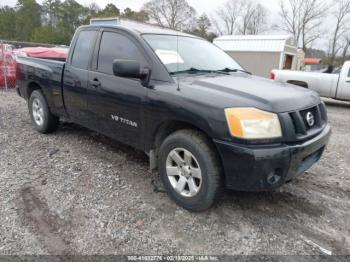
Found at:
(42, 119)
(190, 170)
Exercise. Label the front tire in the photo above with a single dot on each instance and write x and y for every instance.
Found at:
(43, 120)
(190, 170)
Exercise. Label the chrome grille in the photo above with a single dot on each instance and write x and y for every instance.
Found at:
(296, 127)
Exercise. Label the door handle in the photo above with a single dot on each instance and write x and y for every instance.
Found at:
(95, 83)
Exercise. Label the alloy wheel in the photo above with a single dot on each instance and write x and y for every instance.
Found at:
(184, 172)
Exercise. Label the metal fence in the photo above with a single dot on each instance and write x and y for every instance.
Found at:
(11, 50)
(7, 67)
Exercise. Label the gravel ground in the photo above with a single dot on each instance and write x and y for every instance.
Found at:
(77, 192)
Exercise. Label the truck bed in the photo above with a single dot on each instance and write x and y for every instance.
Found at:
(43, 72)
(324, 84)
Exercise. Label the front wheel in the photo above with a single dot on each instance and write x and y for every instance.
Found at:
(42, 119)
(190, 170)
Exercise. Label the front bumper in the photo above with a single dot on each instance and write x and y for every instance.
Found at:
(255, 168)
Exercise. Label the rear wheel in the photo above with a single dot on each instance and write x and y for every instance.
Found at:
(42, 119)
(190, 170)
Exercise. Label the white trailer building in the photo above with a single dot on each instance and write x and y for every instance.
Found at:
(260, 54)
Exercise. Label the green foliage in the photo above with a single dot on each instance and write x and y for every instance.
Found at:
(51, 10)
(7, 17)
(27, 19)
(311, 52)
(52, 35)
(109, 11)
(59, 21)
(141, 16)
(55, 21)
(72, 14)
(202, 28)
(337, 61)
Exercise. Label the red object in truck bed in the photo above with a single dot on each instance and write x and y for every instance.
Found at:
(56, 53)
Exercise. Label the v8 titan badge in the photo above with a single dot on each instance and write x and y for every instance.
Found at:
(124, 121)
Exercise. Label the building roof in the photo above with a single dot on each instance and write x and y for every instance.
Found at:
(254, 37)
(255, 43)
(312, 61)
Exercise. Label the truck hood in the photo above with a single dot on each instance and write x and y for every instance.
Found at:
(245, 90)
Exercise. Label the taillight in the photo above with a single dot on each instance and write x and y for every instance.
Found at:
(272, 76)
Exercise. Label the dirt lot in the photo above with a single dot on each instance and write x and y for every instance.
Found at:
(75, 191)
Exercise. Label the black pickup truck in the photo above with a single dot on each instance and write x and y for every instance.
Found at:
(204, 122)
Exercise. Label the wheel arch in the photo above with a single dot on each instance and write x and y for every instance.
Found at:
(31, 87)
(168, 127)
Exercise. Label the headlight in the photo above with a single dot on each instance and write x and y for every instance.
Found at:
(252, 123)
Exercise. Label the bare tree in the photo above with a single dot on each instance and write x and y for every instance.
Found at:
(302, 19)
(227, 16)
(242, 16)
(93, 8)
(290, 17)
(258, 21)
(247, 13)
(175, 14)
(345, 48)
(341, 14)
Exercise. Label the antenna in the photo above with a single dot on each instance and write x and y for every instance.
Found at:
(177, 60)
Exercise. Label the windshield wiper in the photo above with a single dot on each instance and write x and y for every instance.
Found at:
(228, 70)
(194, 70)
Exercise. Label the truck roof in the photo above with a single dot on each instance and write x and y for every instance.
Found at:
(141, 28)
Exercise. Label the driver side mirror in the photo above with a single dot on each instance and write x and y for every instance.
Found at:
(131, 69)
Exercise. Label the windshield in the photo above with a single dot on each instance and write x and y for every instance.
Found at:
(181, 54)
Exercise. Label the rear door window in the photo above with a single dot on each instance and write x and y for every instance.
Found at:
(83, 49)
(117, 46)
